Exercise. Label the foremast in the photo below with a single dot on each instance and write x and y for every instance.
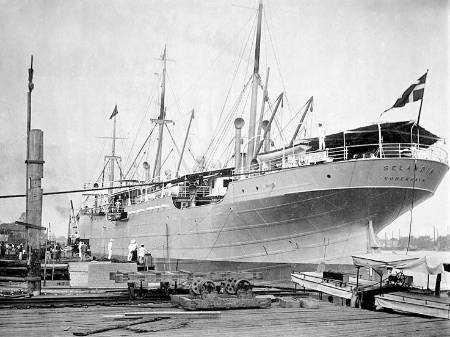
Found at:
(161, 120)
(255, 83)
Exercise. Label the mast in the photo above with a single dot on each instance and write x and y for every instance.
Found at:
(255, 82)
(113, 155)
(160, 120)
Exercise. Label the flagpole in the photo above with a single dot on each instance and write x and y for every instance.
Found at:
(420, 110)
(421, 101)
(380, 145)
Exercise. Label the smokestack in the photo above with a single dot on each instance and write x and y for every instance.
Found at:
(238, 124)
(264, 126)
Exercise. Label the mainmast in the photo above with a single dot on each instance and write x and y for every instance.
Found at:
(113, 158)
(160, 120)
(255, 82)
(113, 155)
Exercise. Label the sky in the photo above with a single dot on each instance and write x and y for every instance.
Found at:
(355, 57)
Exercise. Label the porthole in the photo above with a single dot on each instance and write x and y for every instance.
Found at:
(257, 188)
(242, 190)
(328, 176)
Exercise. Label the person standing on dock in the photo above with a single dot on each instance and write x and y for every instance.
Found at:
(2, 249)
(110, 249)
(132, 251)
(141, 254)
(81, 250)
(321, 137)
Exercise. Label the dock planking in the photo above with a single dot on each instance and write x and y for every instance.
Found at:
(328, 320)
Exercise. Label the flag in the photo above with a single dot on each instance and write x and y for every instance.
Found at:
(412, 94)
(115, 112)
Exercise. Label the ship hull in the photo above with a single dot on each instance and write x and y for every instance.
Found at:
(308, 214)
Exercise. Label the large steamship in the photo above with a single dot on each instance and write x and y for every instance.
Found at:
(300, 203)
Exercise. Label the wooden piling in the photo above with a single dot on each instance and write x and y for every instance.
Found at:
(35, 171)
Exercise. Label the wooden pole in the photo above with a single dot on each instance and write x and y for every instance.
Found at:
(45, 260)
(30, 89)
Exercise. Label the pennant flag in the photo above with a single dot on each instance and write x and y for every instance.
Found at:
(412, 94)
(115, 112)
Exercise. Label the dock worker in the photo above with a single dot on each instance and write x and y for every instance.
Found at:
(321, 137)
(132, 251)
(110, 243)
(82, 250)
(141, 254)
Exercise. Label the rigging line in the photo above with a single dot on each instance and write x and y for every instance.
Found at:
(167, 157)
(142, 157)
(249, 57)
(232, 81)
(99, 161)
(210, 152)
(220, 232)
(227, 125)
(274, 51)
(174, 96)
(283, 139)
(189, 150)
(102, 171)
(220, 54)
(296, 114)
(227, 148)
(228, 121)
(141, 123)
(142, 147)
(288, 102)
(412, 205)
(177, 148)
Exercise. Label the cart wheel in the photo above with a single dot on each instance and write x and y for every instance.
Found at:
(196, 286)
(243, 285)
(230, 286)
(207, 287)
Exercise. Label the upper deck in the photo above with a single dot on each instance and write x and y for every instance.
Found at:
(211, 186)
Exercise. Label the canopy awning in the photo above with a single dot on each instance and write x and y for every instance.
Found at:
(397, 132)
(424, 264)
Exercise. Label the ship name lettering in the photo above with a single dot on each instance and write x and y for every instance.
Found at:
(406, 179)
(419, 169)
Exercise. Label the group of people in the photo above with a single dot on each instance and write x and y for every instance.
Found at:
(12, 250)
(54, 252)
(137, 253)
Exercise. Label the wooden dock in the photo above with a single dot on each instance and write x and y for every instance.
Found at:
(328, 320)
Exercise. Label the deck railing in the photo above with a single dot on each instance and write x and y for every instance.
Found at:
(352, 152)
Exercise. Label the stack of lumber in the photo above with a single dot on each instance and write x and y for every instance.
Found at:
(294, 302)
(219, 302)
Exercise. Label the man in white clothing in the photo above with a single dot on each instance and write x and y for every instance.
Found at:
(321, 137)
(110, 249)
